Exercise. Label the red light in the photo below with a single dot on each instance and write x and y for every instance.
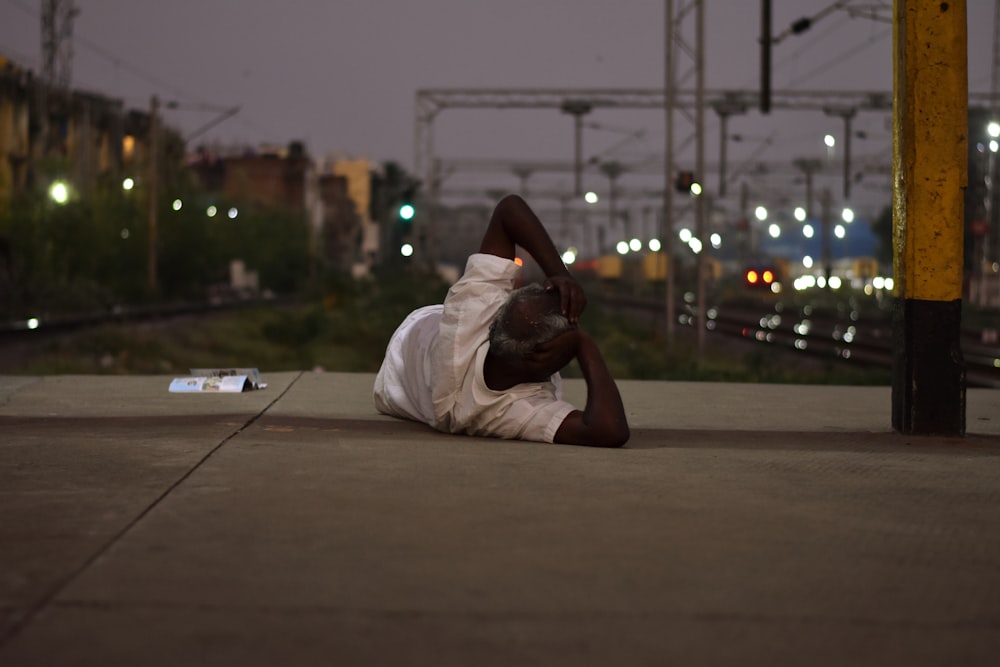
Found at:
(519, 261)
(752, 277)
(768, 276)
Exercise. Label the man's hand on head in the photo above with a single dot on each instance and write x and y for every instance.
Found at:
(553, 355)
(571, 296)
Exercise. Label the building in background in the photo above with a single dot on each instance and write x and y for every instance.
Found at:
(335, 201)
(358, 176)
(85, 138)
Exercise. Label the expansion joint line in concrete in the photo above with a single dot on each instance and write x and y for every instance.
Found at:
(29, 615)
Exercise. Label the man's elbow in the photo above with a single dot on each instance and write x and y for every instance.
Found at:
(618, 437)
(611, 437)
(510, 204)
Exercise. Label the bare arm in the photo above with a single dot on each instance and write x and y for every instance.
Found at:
(602, 422)
(514, 224)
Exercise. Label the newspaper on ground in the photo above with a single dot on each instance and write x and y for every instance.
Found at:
(218, 380)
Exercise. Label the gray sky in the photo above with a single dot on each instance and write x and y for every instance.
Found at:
(342, 74)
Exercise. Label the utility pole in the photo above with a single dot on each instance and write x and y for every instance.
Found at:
(826, 221)
(57, 61)
(930, 163)
(152, 190)
(847, 113)
(57, 43)
(612, 170)
(808, 167)
(667, 218)
(765, 56)
(702, 200)
(725, 109)
(578, 109)
(992, 197)
(677, 42)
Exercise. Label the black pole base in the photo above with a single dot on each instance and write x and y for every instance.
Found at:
(928, 376)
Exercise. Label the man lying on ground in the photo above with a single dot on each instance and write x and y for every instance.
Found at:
(487, 361)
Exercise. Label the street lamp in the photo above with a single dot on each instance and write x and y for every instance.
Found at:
(59, 192)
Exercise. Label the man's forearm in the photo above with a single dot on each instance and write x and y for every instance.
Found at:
(604, 409)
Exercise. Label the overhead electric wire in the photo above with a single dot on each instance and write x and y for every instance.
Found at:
(118, 62)
(124, 64)
(843, 57)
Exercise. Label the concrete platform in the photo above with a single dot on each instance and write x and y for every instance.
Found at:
(743, 524)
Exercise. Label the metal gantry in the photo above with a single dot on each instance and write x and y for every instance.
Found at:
(57, 43)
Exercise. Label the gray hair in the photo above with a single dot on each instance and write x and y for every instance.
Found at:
(523, 322)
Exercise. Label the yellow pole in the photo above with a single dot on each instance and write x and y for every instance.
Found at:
(930, 162)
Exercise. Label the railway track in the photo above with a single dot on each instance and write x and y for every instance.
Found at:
(851, 339)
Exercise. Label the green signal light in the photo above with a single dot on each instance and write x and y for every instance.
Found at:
(406, 211)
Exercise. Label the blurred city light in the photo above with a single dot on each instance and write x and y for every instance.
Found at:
(33, 323)
(695, 245)
(125, 233)
(800, 214)
(211, 211)
(406, 211)
(761, 213)
(774, 230)
(716, 240)
(685, 235)
(622, 248)
(808, 231)
(406, 250)
(128, 184)
(807, 262)
(993, 129)
(830, 141)
(839, 231)
(59, 192)
(591, 197)
(233, 212)
(177, 205)
(635, 245)
(654, 245)
(847, 215)
(569, 256)
(696, 189)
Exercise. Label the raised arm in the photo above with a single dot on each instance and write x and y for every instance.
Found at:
(602, 423)
(514, 224)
